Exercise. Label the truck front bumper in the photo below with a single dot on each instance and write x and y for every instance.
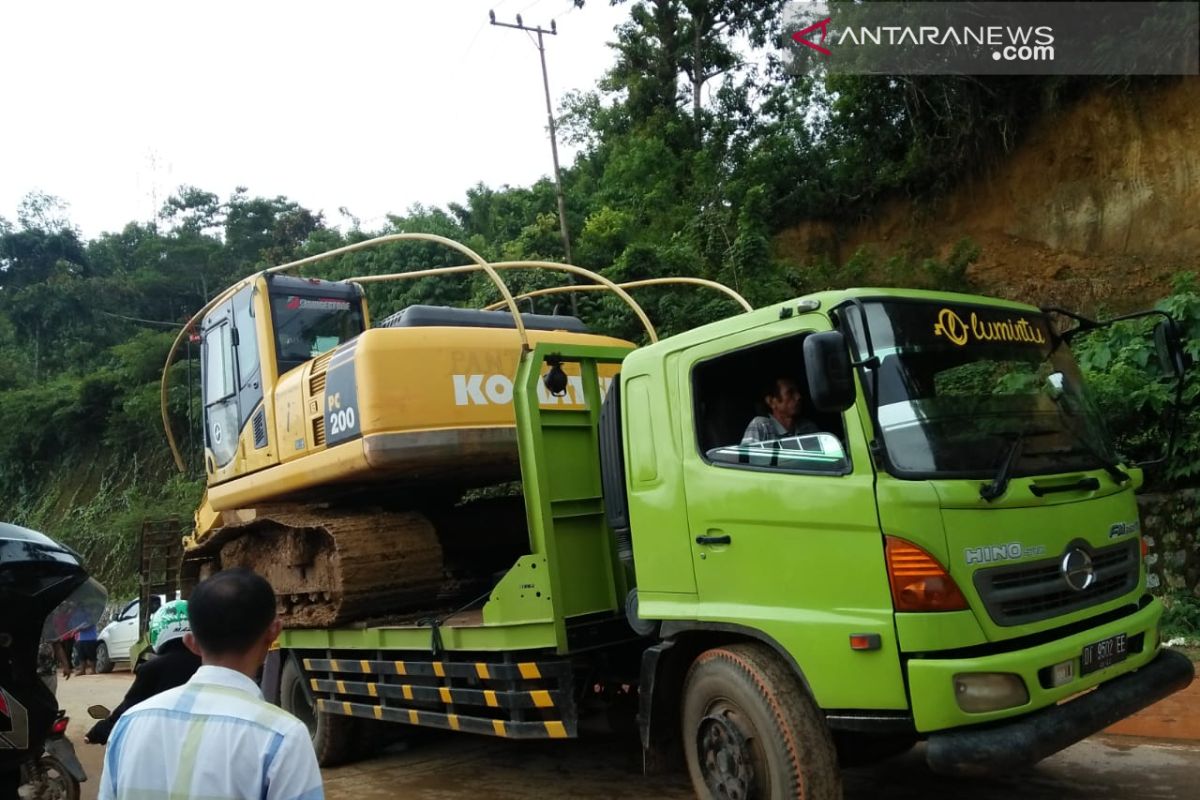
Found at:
(1017, 743)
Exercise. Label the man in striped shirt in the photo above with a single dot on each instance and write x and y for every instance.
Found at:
(215, 737)
(785, 402)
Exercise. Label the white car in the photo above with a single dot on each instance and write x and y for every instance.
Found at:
(120, 635)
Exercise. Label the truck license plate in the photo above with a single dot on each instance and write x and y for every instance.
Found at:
(1103, 654)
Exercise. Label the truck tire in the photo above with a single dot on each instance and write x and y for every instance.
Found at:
(335, 737)
(751, 732)
(104, 664)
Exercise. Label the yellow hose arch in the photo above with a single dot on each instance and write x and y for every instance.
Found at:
(480, 264)
(720, 287)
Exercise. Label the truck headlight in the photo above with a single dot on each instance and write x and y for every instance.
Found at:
(977, 692)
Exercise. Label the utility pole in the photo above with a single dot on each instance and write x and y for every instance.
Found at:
(562, 207)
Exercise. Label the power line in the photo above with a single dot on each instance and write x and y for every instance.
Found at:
(174, 325)
(531, 5)
(573, 5)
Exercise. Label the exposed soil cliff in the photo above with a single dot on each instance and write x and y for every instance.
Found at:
(1096, 207)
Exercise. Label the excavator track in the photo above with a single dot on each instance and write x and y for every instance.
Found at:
(329, 566)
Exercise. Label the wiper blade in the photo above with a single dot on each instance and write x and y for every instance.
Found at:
(999, 484)
(1118, 474)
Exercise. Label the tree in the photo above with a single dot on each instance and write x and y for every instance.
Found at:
(266, 231)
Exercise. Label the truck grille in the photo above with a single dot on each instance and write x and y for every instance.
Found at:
(1036, 590)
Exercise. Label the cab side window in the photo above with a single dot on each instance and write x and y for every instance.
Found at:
(753, 411)
(218, 364)
(219, 372)
(247, 337)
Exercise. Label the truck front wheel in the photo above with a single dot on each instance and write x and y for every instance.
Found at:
(751, 732)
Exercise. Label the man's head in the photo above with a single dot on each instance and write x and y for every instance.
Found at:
(232, 617)
(783, 399)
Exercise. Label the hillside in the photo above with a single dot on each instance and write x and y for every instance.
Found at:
(1068, 191)
(1098, 206)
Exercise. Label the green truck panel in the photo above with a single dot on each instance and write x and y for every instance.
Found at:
(931, 681)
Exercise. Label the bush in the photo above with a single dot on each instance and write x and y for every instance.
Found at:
(1124, 374)
(1181, 616)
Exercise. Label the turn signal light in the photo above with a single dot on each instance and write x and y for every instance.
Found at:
(919, 582)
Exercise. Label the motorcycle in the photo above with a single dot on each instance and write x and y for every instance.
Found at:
(46, 596)
(56, 775)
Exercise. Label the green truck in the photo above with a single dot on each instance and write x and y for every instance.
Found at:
(947, 551)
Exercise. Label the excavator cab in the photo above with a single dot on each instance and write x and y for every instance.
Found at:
(268, 327)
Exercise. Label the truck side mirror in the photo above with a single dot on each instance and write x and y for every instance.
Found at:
(830, 376)
(1171, 356)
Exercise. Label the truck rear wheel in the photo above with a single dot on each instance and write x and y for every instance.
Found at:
(751, 732)
(334, 736)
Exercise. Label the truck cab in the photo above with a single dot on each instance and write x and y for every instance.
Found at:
(948, 541)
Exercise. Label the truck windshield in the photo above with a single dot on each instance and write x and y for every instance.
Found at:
(957, 385)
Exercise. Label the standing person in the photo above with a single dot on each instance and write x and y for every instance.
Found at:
(86, 644)
(67, 643)
(173, 666)
(52, 656)
(215, 737)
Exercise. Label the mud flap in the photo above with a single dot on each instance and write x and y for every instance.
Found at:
(1012, 745)
(658, 712)
(269, 683)
(64, 751)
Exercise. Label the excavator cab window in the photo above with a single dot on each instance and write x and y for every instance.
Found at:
(308, 325)
(218, 366)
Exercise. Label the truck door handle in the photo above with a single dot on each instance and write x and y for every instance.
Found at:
(725, 539)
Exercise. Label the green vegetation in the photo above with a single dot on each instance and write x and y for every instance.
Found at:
(1182, 616)
(1126, 378)
(696, 149)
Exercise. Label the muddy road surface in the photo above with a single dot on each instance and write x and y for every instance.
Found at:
(443, 766)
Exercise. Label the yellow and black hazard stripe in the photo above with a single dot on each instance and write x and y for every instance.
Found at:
(543, 729)
(537, 698)
(523, 670)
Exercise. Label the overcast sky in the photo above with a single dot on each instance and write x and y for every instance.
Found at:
(373, 105)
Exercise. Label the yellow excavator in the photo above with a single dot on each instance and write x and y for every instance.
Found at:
(341, 455)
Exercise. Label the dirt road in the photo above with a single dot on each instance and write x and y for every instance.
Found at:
(461, 767)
